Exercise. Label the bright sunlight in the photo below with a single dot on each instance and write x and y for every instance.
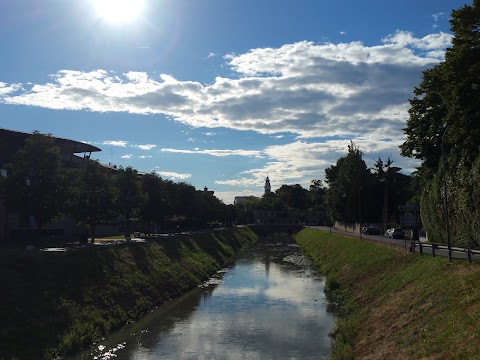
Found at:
(119, 11)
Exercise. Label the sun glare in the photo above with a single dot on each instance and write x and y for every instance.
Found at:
(119, 11)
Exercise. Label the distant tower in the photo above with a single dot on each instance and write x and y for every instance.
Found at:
(268, 188)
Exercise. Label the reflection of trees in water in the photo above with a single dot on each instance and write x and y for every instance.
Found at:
(147, 330)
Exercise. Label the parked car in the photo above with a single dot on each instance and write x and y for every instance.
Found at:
(394, 233)
(371, 230)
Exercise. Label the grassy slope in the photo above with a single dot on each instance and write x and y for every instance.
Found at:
(53, 303)
(424, 307)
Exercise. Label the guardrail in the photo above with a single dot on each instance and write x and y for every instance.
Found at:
(442, 250)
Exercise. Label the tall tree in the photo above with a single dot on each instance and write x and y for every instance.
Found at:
(446, 101)
(91, 198)
(155, 207)
(445, 111)
(316, 195)
(294, 196)
(129, 196)
(345, 180)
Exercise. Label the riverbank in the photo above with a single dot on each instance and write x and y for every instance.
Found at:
(55, 303)
(397, 306)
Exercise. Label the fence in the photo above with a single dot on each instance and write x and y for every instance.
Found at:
(442, 250)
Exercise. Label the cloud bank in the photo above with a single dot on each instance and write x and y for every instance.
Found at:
(312, 90)
(303, 88)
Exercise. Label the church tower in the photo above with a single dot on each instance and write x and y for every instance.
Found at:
(268, 188)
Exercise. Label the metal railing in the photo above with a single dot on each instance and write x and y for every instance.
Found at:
(442, 250)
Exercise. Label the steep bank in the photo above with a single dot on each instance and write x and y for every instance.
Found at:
(53, 303)
(397, 308)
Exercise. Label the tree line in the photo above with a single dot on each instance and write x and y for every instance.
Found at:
(353, 193)
(41, 189)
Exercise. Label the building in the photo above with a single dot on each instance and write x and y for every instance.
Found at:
(243, 199)
(10, 142)
(268, 188)
(206, 191)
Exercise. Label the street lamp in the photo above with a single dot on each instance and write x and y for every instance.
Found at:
(449, 243)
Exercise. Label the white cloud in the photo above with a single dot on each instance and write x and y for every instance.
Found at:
(216, 152)
(127, 156)
(174, 175)
(436, 18)
(119, 143)
(144, 156)
(7, 89)
(146, 147)
(429, 42)
(302, 88)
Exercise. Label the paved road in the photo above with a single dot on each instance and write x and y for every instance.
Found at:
(457, 253)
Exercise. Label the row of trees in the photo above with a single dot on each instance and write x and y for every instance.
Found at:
(40, 188)
(355, 192)
(443, 131)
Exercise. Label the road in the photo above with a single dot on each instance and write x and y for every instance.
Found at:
(457, 253)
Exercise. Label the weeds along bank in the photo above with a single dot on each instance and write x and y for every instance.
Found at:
(54, 303)
(397, 307)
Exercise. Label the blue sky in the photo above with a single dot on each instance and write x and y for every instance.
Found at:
(220, 93)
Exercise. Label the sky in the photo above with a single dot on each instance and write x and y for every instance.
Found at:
(221, 93)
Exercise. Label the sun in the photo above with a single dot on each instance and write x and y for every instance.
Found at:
(119, 11)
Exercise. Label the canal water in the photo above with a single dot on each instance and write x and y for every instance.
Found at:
(269, 303)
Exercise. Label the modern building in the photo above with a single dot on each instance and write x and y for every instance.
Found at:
(10, 142)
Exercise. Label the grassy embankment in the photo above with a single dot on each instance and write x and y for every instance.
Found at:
(422, 307)
(55, 303)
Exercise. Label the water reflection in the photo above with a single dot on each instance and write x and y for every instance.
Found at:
(268, 305)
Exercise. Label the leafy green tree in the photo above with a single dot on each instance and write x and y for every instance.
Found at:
(316, 195)
(91, 197)
(445, 111)
(392, 187)
(293, 196)
(35, 186)
(345, 180)
(129, 196)
(156, 208)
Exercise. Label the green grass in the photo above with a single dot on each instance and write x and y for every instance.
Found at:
(55, 303)
(419, 307)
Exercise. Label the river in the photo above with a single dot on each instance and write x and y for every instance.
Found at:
(269, 303)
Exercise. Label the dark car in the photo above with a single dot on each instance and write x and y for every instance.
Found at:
(395, 234)
(371, 231)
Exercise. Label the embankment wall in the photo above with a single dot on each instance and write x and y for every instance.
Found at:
(56, 303)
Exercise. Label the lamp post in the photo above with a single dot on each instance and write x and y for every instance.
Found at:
(449, 243)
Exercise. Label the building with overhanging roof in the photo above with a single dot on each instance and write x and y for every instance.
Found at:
(11, 141)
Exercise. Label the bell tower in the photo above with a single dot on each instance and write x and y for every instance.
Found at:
(268, 188)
